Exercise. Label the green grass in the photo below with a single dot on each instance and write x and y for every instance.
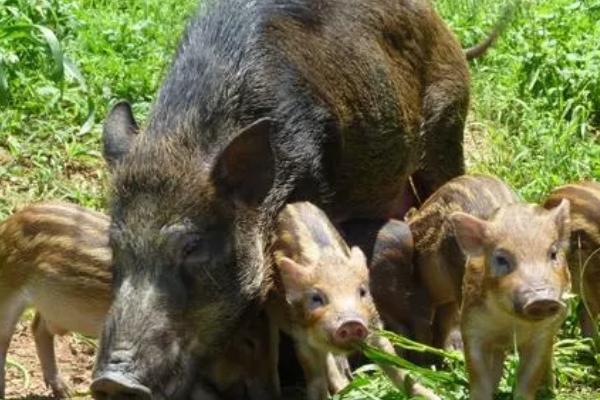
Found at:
(537, 93)
(535, 116)
(50, 121)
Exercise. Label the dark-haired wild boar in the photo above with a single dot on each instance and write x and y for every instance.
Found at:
(321, 298)
(439, 261)
(55, 257)
(584, 255)
(336, 101)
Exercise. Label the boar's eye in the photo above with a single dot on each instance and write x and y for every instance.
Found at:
(316, 299)
(195, 250)
(501, 264)
(363, 291)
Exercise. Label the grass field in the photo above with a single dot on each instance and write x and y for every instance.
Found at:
(535, 115)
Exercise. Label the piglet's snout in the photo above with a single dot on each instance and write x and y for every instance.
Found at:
(351, 332)
(542, 303)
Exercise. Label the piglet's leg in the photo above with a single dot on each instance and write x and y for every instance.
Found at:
(11, 308)
(44, 343)
(535, 362)
(201, 391)
(314, 364)
(399, 377)
(336, 373)
(586, 323)
(447, 322)
(484, 366)
(591, 294)
(275, 383)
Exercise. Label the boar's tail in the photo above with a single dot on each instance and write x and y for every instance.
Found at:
(482, 47)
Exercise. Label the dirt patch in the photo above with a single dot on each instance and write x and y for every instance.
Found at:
(75, 358)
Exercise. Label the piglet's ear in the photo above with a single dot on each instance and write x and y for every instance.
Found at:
(294, 277)
(562, 217)
(470, 232)
(245, 169)
(357, 257)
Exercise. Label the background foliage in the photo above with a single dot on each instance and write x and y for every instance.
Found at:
(535, 115)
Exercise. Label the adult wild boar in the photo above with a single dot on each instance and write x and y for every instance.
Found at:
(333, 101)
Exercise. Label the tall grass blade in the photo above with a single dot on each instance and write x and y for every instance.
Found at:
(4, 90)
(23, 370)
(56, 52)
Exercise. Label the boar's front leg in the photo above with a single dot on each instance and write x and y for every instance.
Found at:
(535, 365)
(399, 377)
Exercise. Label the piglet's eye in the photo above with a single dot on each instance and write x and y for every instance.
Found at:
(501, 264)
(317, 299)
(553, 253)
(363, 291)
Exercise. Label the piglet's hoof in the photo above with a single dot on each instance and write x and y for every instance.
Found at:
(454, 341)
(60, 390)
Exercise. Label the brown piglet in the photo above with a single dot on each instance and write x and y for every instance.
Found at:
(321, 298)
(516, 279)
(400, 297)
(584, 255)
(55, 257)
(439, 262)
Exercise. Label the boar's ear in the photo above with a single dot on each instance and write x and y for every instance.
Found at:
(470, 232)
(293, 276)
(245, 169)
(119, 130)
(562, 217)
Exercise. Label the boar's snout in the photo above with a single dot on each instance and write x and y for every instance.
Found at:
(116, 386)
(350, 332)
(541, 303)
